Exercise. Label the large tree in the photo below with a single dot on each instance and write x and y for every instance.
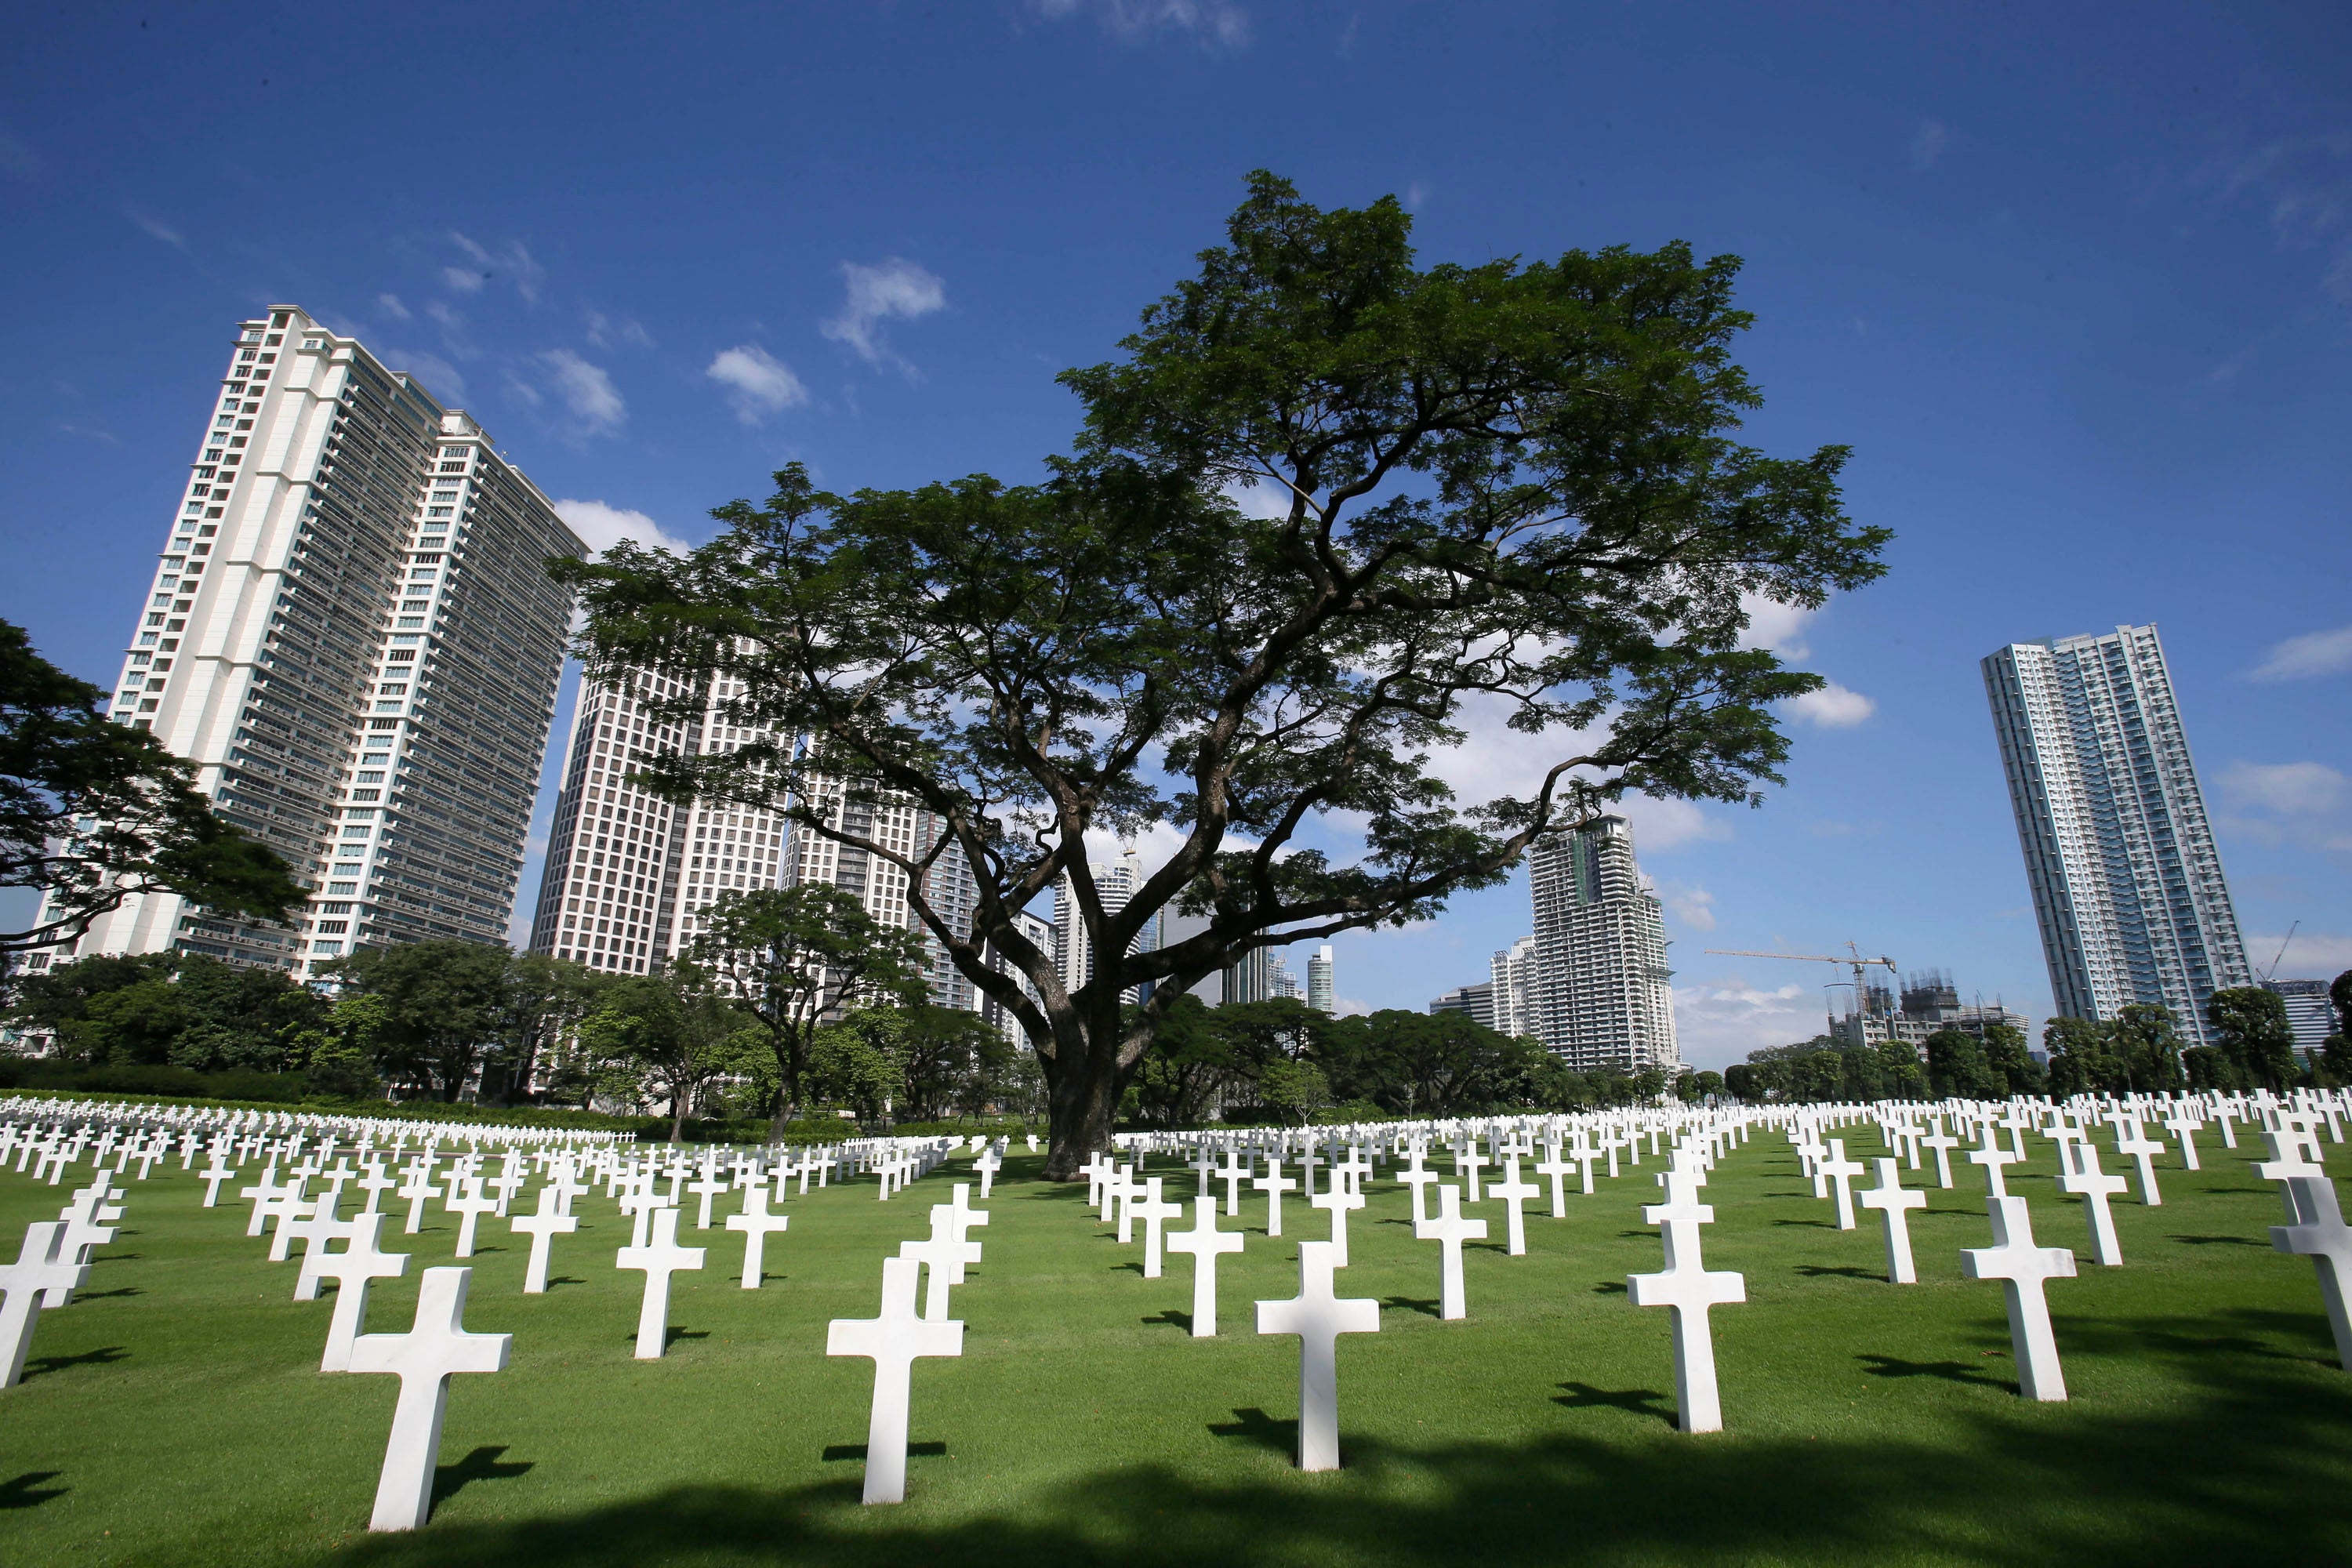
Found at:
(1501, 497)
(444, 1005)
(93, 811)
(673, 1030)
(2256, 1033)
(793, 957)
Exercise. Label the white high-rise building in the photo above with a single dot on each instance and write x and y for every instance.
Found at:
(353, 635)
(628, 874)
(1600, 977)
(1116, 881)
(2127, 885)
(906, 827)
(1517, 990)
(1322, 994)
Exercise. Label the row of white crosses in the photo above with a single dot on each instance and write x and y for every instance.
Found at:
(52, 1263)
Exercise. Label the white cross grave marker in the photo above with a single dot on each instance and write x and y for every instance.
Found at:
(2095, 1187)
(1318, 1319)
(755, 1222)
(1892, 1199)
(1449, 1230)
(2023, 1268)
(542, 1227)
(1688, 1289)
(2323, 1237)
(38, 1272)
(660, 1257)
(1514, 1192)
(1205, 1242)
(1274, 1184)
(359, 1265)
(423, 1358)
(893, 1339)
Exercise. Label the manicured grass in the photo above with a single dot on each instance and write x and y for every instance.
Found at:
(174, 1414)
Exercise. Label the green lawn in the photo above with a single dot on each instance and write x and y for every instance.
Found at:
(174, 1414)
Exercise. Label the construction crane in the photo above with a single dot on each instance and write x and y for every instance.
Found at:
(1852, 960)
(2264, 975)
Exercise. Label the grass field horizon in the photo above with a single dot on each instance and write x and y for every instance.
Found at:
(174, 1414)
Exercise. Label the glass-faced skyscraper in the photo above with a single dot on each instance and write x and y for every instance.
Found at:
(2128, 885)
(1602, 996)
(352, 633)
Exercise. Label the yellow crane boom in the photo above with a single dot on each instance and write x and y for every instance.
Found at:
(1852, 960)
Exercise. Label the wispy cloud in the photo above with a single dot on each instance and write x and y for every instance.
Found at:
(2302, 185)
(1695, 907)
(1928, 143)
(1214, 23)
(511, 261)
(454, 335)
(391, 306)
(155, 228)
(2304, 803)
(600, 526)
(2312, 954)
(439, 376)
(758, 382)
(2303, 658)
(586, 393)
(604, 332)
(90, 432)
(896, 289)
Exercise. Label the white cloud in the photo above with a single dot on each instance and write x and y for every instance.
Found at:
(600, 527)
(587, 393)
(511, 261)
(1832, 707)
(1719, 1022)
(1775, 625)
(454, 336)
(439, 376)
(391, 306)
(2312, 653)
(1264, 499)
(604, 332)
(1661, 825)
(1928, 143)
(758, 383)
(1348, 1007)
(1211, 21)
(897, 289)
(2311, 955)
(2289, 789)
(1695, 907)
(154, 229)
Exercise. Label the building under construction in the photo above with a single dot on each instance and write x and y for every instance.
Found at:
(1927, 1003)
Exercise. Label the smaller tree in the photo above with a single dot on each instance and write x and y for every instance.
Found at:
(2006, 1056)
(2256, 1033)
(942, 1052)
(791, 957)
(679, 1033)
(2083, 1058)
(2145, 1038)
(1957, 1067)
(1294, 1090)
(857, 1063)
(444, 1004)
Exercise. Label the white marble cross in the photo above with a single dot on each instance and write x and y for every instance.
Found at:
(1943, 1143)
(424, 1358)
(1466, 1164)
(417, 1189)
(1992, 1157)
(1556, 1168)
(375, 1184)
(756, 1222)
(212, 1175)
(473, 1204)
(1205, 1242)
(1420, 1178)
(2095, 1187)
(987, 1166)
(1688, 1289)
(943, 1256)
(707, 1188)
(542, 1227)
(2321, 1235)
(2183, 1126)
(1233, 1172)
(1154, 1211)
(1893, 1199)
(37, 1273)
(355, 1268)
(1839, 1173)
(1274, 1184)
(319, 1229)
(660, 1257)
(1514, 1192)
(1318, 1319)
(2143, 1149)
(892, 1340)
(1339, 1200)
(1449, 1230)
(2023, 1268)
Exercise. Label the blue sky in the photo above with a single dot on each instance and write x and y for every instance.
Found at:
(2075, 282)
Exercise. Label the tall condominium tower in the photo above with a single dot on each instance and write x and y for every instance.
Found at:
(1116, 881)
(1518, 991)
(1322, 994)
(353, 635)
(899, 823)
(628, 874)
(2128, 885)
(1602, 998)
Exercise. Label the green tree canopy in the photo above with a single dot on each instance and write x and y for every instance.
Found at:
(93, 811)
(677, 1033)
(1516, 483)
(444, 1006)
(2255, 1034)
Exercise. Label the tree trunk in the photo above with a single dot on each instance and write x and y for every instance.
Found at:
(1085, 1082)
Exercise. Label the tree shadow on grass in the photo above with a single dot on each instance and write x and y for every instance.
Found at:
(2220, 1241)
(1849, 1271)
(1994, 1479)
(1950, 1371)
(26, 1490)
(482, 1465)
(1632, 1401)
